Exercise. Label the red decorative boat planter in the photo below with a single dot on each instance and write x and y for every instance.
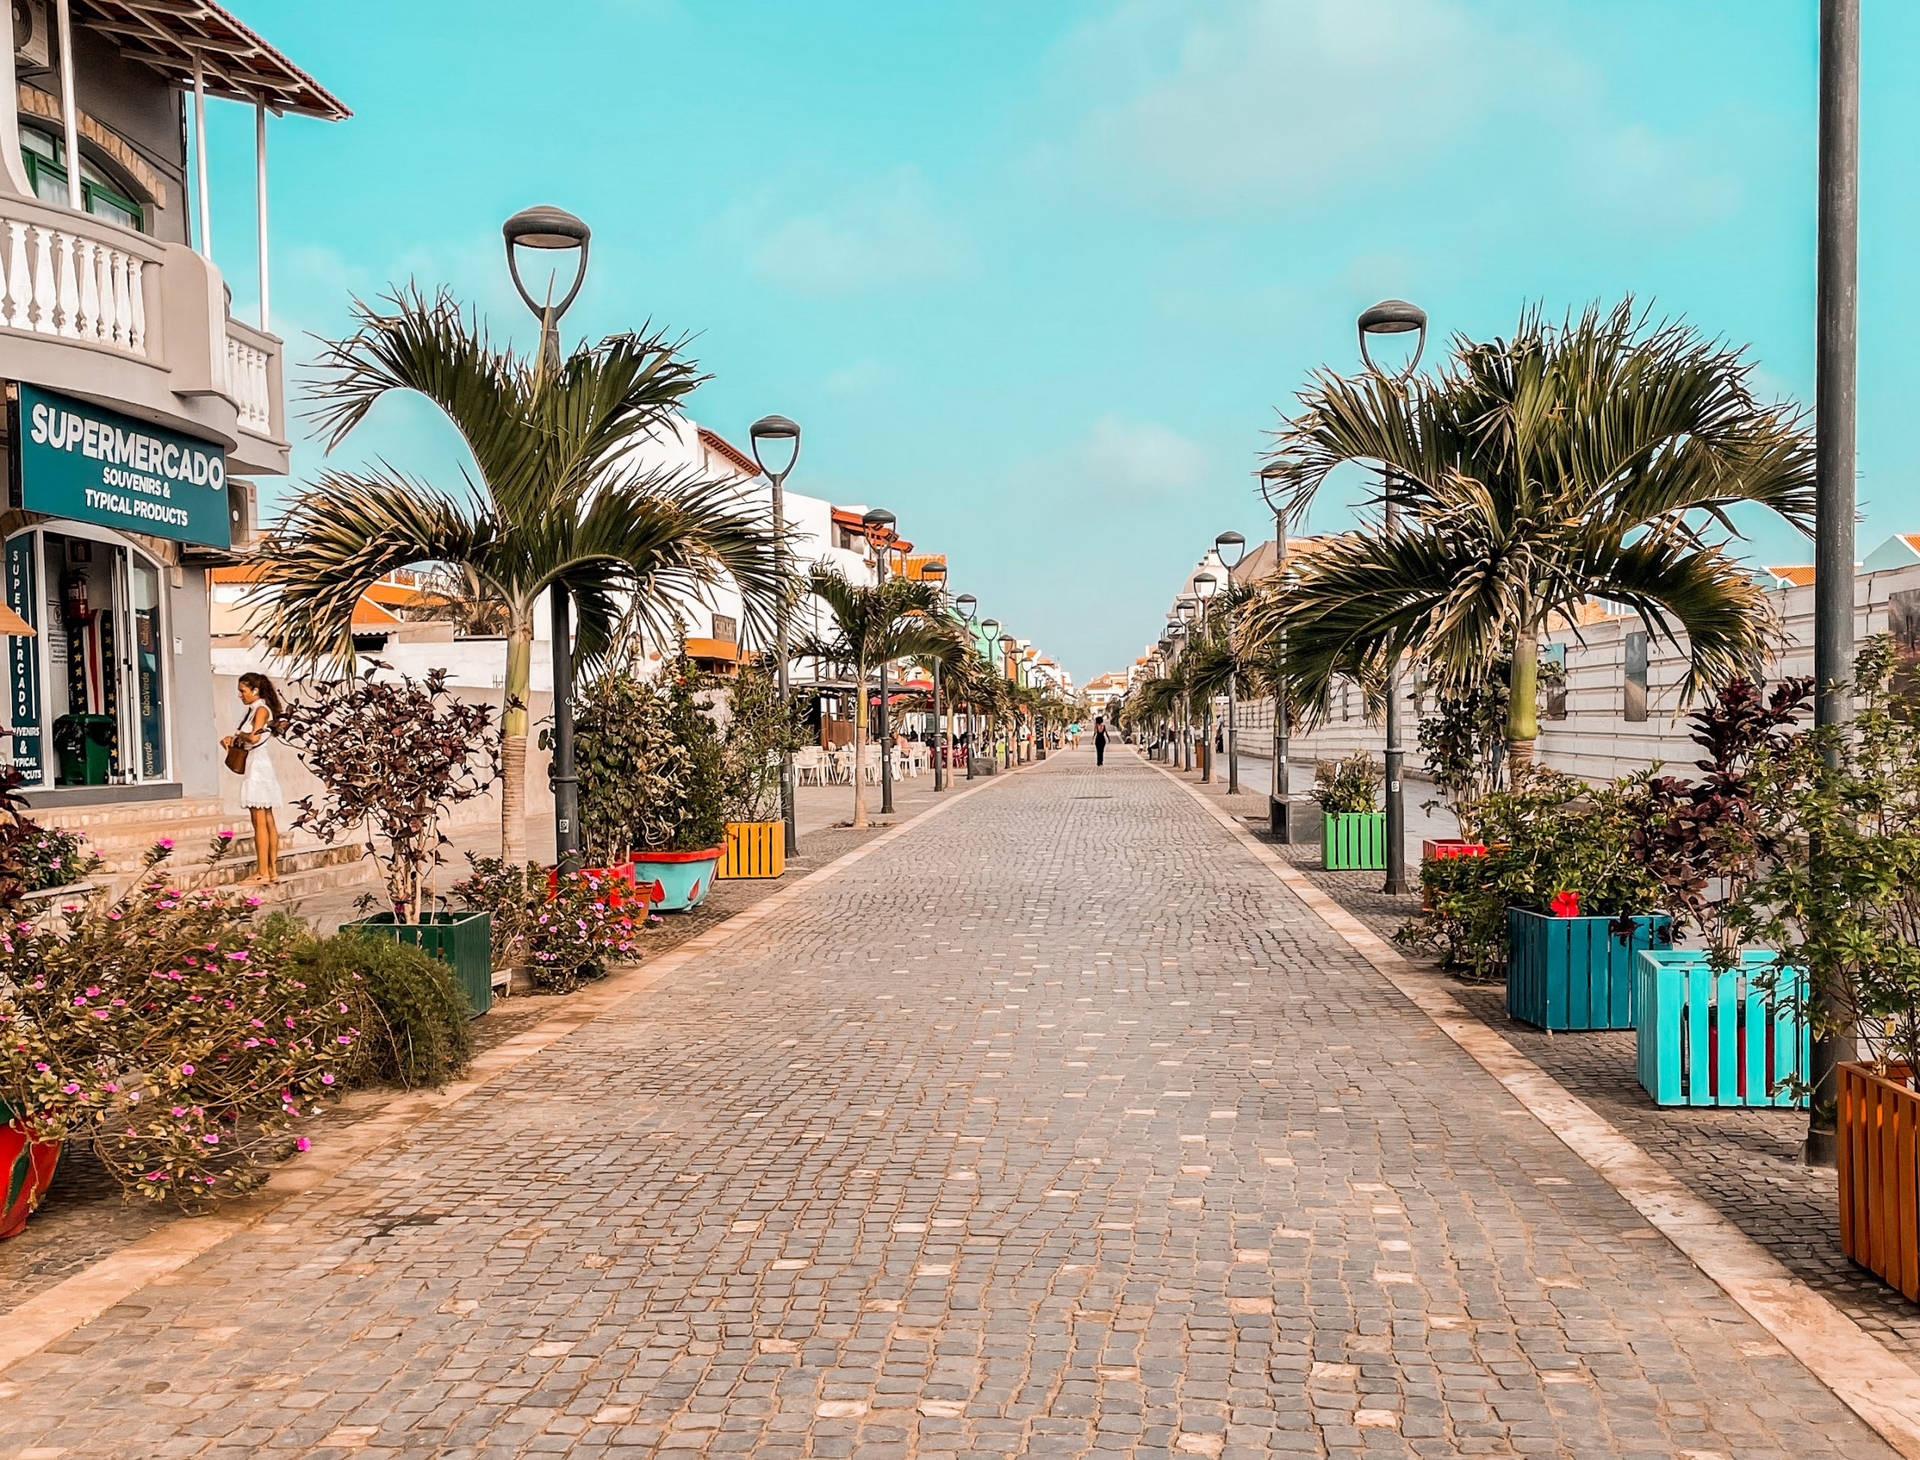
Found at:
(27, 1167)
(617, 888)
(677, 880)
(1439, 848)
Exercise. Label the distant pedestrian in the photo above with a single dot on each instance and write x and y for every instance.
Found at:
(1099, 742)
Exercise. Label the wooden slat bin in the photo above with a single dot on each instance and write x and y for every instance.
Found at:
(1879, 1187)
(1729, 1038)
(1576, 973)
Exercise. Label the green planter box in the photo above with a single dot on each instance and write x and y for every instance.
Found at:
(462, 940)
(1354, 841)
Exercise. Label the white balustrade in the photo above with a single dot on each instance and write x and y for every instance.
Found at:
(249, 384)
(63, 282)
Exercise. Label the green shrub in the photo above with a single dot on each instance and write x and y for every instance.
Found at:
(1348, 787)
(414, 1021)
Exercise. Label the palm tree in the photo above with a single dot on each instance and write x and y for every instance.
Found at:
(553, 499)
(873, 625)
(1594, 459)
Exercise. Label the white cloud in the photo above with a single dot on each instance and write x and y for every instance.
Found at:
(886, 234)
(1137, 459)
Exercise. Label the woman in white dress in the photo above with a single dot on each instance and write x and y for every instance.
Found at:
(259, 787)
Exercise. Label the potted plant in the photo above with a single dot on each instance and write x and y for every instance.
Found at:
(1721, 1024)
(626, 760)
(1565, 900)
(1838, 894)
(393, 756)
(1464, 741)
(679, 833)
(1354, 830)
(557, 936)
(761, 730)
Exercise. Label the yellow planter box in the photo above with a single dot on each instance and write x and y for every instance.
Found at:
(754, 849)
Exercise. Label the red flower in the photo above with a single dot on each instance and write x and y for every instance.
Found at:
(1566, 904)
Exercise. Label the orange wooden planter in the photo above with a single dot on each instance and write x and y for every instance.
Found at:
(1879, 1184)
(755, 849)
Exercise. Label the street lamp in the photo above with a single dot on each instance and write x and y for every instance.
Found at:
(557, 231)
(1394, 317)
(990, 629)
(878, 525)
(554, 230)
(1177, 630)
(780, 431)
(1008, 644)
(968, 605)
(1275, 478)
(1230, 548)
(936, 574)
(1205, 585)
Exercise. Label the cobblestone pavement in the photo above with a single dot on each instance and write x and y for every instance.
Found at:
(1058, 1127)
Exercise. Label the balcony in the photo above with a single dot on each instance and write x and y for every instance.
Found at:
(116, 317)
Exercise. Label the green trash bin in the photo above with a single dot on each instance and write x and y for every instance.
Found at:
(84, 744)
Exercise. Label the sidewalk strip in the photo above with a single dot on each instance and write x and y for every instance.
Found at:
(51, 1315)
(1863, 1373)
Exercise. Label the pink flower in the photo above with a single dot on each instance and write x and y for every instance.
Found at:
(186, 1069)
(303, 1144)
(211, 1139)
(225, 836)
(326, 1079)
(167, 843)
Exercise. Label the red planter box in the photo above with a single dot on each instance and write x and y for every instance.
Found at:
(26, 1170)
(1437, 849)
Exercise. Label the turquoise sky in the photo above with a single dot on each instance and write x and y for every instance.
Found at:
(1038, 276)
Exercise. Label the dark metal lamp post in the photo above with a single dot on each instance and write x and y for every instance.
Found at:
(1394, 317)
(1230, 548)
(878, 524)
(936, 574)
(780, 431)
(1272, 478)
(1205, 585)
(990, 629)
(1177, 631)
(1008, 645)
(968, 606)
(555, 230)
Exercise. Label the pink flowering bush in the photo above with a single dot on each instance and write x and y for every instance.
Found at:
(564, 934)
(164, 1027)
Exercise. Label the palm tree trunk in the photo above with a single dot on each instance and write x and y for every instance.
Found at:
(1523, 706)
(859, 750)
(513, 745)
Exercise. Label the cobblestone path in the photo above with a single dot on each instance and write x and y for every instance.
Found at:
(1056, 1127)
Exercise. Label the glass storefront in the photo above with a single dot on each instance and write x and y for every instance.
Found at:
(88, 695)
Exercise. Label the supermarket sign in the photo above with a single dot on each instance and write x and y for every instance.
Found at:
(83, 462)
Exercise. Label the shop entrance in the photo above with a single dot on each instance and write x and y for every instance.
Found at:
(88, 696)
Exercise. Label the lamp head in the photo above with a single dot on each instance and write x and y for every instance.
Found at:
(933, 572)
(1205, 585)
(553, 229)
(1008, 643)
(1394, 317)
(878, 526)
(1230, 548)
(780, 431)
(968, 605)
(991, 628)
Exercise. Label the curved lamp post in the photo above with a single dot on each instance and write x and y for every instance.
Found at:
(557, 231)
(878, 525)
(1231, 548)
(1008, 645)
(968, 606)
(936, 574)
(1275, 479)
(780, 433)
(990, 629)
(1177, 631)
(1205, 585)
(1394, 317)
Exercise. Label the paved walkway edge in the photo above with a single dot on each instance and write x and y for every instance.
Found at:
(1863, 1374)
(51, 1315)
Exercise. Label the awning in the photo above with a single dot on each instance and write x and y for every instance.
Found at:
(235, 61)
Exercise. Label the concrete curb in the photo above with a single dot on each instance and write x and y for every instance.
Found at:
(51, 1315)
(1863, 1373)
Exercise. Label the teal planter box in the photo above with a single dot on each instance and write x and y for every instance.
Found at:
(1577, 973)
(463, 940)
(1719, 1039)
(1354, 841)
(680, 880)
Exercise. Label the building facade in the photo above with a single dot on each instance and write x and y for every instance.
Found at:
(140, 410)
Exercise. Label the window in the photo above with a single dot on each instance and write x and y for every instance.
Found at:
(1553, 681)
(726, 628)
(45, 156)
(1635, 707)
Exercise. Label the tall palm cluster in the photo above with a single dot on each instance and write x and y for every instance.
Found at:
(554, 498)
(1594, 459)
